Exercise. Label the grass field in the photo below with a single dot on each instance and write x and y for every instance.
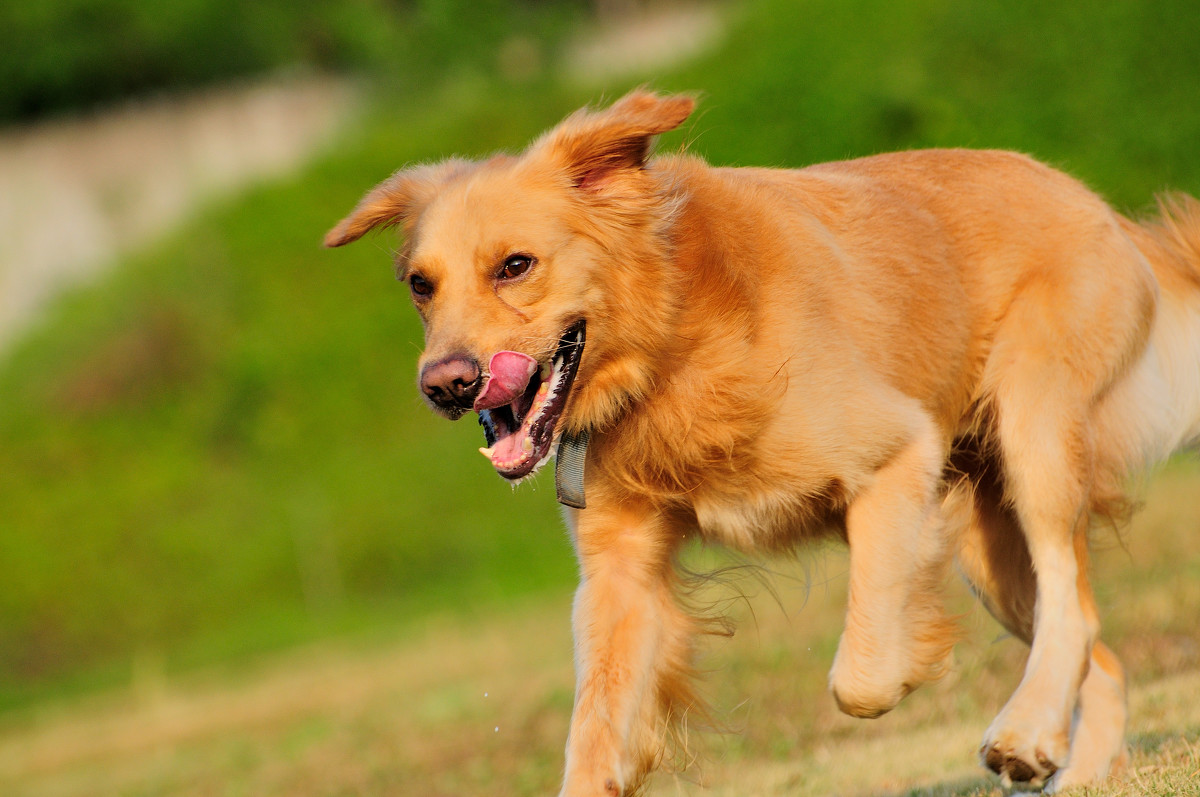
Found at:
(240, 557)
(480, 707)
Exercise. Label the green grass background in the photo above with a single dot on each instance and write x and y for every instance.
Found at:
(61, 56)
(219, 450)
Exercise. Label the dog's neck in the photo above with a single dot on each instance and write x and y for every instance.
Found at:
(685, 381)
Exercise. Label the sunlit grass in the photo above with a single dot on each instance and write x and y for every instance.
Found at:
(480, 706)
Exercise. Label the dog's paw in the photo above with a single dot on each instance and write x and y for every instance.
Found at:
(866, 689)
(610, 788)
(1085, 770)
(1025, 749)
(866, 701)
(872, 684)
(1017, 767)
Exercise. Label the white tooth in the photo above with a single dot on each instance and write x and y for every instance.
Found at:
(545, 373)
(487, 452)
(527, 446)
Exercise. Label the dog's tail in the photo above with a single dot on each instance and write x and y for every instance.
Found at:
(1157, 411)
(1175, 233)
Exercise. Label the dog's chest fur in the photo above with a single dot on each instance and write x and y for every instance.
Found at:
(771, 516)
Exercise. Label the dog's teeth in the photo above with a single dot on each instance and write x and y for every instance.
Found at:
(545, 372)
(488, 452)
(527, 446)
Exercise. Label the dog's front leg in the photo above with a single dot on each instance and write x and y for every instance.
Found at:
(632, 651)
(896, 635)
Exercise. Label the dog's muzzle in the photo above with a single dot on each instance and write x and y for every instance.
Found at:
(452, 384)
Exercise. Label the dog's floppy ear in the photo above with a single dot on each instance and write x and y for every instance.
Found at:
(595, 146)
(395, 200)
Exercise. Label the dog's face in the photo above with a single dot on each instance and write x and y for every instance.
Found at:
(501, 285)
(511, 263)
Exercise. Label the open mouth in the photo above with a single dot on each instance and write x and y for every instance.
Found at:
(520, 435)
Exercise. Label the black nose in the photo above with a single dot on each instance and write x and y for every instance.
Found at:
(451, 383)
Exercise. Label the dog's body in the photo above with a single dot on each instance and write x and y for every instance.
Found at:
(936, 355)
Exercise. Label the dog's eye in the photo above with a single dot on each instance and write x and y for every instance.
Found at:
(515, 266)
(420, 286)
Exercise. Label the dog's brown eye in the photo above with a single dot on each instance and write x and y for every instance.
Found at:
(420, 286)
(515, 266)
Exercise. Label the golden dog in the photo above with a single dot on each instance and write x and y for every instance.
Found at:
(936, 355)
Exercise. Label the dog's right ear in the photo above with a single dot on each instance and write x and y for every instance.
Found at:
(395, 200)
(595, 147)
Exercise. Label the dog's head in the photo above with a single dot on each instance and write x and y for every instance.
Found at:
(538, 277)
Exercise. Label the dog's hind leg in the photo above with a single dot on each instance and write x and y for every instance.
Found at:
(1098, 737)
(1075, 326)
(1046, 458)
(896, 635)
(632, 651)
(995, 560)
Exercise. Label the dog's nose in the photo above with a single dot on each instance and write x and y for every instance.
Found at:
(452, 382)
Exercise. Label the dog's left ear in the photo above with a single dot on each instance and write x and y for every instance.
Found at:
(594, 147)
(395, 200)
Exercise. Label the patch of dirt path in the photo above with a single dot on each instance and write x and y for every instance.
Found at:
(76, 193)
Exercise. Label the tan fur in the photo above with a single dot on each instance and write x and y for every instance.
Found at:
(936, 355)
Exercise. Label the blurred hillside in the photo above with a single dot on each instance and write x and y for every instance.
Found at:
(78, 192)
(69, 55)
(219, 450)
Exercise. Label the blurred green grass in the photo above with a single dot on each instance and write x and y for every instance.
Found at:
(219, 450)
(60, 56)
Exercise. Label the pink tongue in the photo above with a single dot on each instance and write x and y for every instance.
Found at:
(510, 372)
